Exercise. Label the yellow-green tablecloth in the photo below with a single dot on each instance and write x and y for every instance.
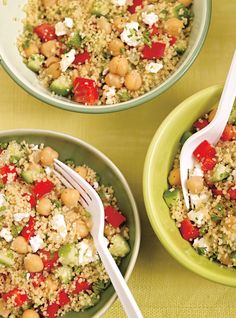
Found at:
(162, 287)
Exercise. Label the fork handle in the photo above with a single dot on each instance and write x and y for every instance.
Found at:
(126, 298)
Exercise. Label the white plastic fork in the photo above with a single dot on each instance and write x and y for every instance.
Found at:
(211, 132)
(93, 204)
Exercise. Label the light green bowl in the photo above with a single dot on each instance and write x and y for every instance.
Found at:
(81, 152)
(157, 166)
(11, 15)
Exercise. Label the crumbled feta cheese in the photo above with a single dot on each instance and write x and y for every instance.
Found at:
(60, 29)
(197, 216)
(48, 171)
(6, 235)
(35, 147)
(149, 18)
(200, 243)
(36, 243)
(197, 171)
(28, 276)
(131, 34)
(95, 185)
(87, 252)
(198, 199)
(68, 22)
(58, 223)
(153, 67)
(119, 2)
(18, 217)
(67, 60)
(2, 199)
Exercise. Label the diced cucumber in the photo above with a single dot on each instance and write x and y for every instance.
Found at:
(219, 173)
(29, 176)
(119, 246)
(100, 8)
(181, 12)
(16, 229)
(35, 62)
(185, 136)
(180, 47)
(64, 273)
(61, 86)
(69, 255)
(15, 151)
(6, 258)
(171, 197)
(100, 285)
(75, 40)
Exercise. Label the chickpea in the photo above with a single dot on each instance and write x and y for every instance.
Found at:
(81, 229)
(212, 114)
(47, 156)
(186, 3)
(4, 312)
(119, 65)
(119, 24)
(70, 197)
(226, 260)
(115, 46)
(54, 70)
(104, 25)
(195, 184)
(20, 245)
(49, 48)
(49, 3)
(113, 80)
(30, 313)
(174, 26)
(31, 49)
(174, 177)
(82, 171)
(51, 60)
(230, 223)
(133, 81)
(33, 263)
(44, 207)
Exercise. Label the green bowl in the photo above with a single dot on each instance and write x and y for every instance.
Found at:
(11, 15)
(158, 162)
(81, 152)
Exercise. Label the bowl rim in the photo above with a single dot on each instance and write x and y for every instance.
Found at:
(118, 173)
(181, 70)
(147, 173)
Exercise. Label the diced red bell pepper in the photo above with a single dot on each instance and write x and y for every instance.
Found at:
(232, 193)
(155, 31)
(81, 285)
(208, 164)
(37, 279)
(63, 298)
(81, 58)
(19, 297)
(228, 133)
(204, 150)
(45, 32)
(136, 3)
(200, 124)
(155, 51)
(50, 260)
(1, 150)
(31, 199)
(188, 230)
(8, 173)
(216, 191)
(85, 91)
(42, 187)
(28, 230)
(173, 40)
(52, 310)
(114, 217)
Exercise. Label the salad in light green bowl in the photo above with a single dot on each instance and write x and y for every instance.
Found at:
(158, 164)
(26, 177)
(94, 78)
